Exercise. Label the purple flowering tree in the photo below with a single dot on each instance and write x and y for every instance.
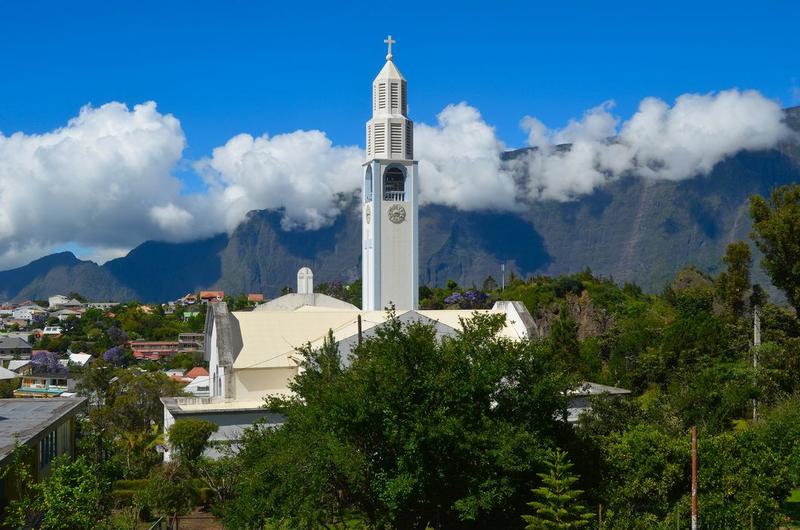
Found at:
(117, 336)
(47, 362)
(474, 300)
(468, 300)
(454, 299)
(115, 355)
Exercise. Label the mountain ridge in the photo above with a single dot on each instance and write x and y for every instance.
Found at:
(631, 229)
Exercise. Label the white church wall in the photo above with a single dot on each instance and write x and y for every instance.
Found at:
(213, 362)
(396, 258)
(257, 383)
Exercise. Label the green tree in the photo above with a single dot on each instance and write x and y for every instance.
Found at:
(74, 495)
(559, 506)
(189, 439)
(169, 492)
(563, 340)
(734, 283)
(415, 432)
(776, 232)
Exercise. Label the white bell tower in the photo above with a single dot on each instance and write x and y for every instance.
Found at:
(390, 230)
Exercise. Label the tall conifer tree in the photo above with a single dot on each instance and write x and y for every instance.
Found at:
(558, 506)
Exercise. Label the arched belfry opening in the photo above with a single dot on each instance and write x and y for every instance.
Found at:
(394, 184)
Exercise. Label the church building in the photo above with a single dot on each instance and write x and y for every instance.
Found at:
(253, 355)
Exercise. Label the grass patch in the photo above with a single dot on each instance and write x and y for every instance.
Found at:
(791, 507)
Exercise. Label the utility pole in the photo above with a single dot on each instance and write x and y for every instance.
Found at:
(756, 345)
(694, 477)
(359, 316)
(502, 276)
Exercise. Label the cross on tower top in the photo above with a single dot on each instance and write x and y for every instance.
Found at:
(389, 40)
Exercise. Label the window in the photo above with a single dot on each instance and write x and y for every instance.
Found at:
(47, 448)
(394, 184)
(368, 185)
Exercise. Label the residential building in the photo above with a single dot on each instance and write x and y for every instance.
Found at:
(188, 299)
(103, 306)
(200, 386)
(212, 296)
(580, 398)
(191, 341)
(255, 298)
(45, 385)
(189, 314)
(27, 312)
(47, 427)
(60, 301)
(14, 348)
(153, 350)
(231, 417)
(67, 313)
(53, 331)
(20, 366)
(6, 374)
(79, 359)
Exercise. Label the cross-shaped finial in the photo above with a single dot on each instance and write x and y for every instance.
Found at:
(389, 40)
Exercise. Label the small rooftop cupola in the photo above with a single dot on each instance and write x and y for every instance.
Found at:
(305, 281)
(390, 132)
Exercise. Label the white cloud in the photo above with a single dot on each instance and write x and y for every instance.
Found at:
(300, 172)
(104, 182)
(91, 182)
(660, 142)
(460, 162)
(172, 219)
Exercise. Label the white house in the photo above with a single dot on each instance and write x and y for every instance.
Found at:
(27, 312)
(66, 314)
(60, 301)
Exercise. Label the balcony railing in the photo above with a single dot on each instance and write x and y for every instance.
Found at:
(394, 196)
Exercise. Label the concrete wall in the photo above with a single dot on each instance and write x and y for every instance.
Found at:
(257, 383)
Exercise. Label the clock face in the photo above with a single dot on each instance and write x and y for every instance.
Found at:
(368, 213)
(397, 214)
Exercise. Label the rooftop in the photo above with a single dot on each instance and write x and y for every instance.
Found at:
(27, 417)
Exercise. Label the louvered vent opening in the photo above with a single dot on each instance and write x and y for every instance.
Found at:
(380, 137)
(409, 140)
(381, 95)
(395, 99)
(369, 140)
(404, 99)
(397, 138)
(374, 98)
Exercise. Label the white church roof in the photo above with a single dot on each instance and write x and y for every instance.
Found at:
(270, 339)
(295, 301)
(389, 71)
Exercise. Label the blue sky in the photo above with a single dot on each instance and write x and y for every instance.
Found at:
(225, 68)
(229, 67)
